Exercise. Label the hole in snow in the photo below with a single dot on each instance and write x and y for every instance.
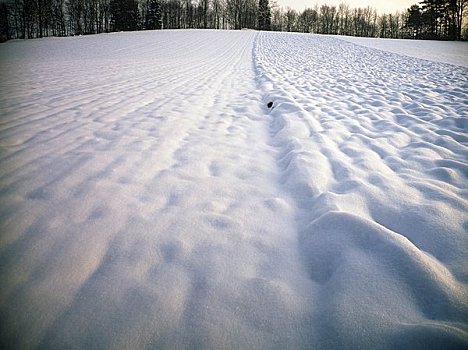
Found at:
(270, 104)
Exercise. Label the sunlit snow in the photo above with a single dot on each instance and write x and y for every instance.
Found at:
(150, 198)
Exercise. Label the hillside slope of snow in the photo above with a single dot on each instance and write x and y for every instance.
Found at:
(455, 53)
(149, 198)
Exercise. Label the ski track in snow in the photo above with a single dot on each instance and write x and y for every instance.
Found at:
(150, 199)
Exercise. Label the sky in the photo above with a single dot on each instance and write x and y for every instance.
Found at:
(382, 6)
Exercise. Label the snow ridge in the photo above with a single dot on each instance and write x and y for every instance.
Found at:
(372, 148)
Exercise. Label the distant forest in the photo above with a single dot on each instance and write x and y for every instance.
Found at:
(430, 19)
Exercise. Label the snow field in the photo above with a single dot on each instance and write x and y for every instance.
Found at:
(372, 148)
(150, 199)
(146, 211)
(455, 53)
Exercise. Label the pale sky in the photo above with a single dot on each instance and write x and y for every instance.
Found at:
(387, 6)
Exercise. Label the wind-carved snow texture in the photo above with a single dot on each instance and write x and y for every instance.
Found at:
(140, 206)
(151, 199)
(373, 150)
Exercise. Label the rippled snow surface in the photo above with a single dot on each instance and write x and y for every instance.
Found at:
(149, 198)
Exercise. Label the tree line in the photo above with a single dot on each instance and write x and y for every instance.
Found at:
(24, 19)
(438, 19)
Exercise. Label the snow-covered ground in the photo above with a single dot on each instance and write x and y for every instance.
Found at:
(438, 51)
(149, 198)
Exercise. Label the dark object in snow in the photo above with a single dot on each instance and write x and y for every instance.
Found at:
(270, 104)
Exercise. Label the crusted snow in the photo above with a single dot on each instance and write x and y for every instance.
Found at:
(151, 199)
